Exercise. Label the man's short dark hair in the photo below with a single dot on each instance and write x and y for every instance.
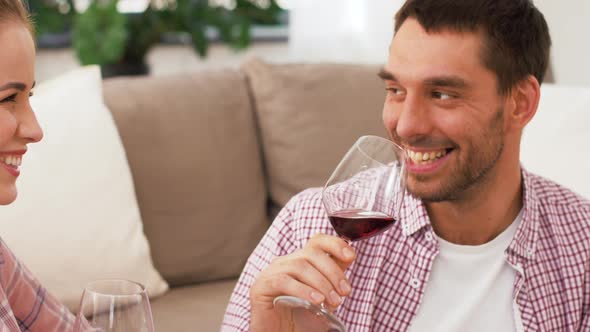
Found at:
(517, 40)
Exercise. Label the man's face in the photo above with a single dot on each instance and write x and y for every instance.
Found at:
(443, 105)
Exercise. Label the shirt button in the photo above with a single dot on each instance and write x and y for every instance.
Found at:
(529, 252)
(429, 237)
(415, 283)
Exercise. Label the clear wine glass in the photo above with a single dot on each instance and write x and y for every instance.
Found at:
(362, 198)
(114, 305)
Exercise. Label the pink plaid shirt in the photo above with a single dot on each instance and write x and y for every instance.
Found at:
(550, 253)
(24, 304)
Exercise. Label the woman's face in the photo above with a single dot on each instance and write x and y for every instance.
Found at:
(18, 125)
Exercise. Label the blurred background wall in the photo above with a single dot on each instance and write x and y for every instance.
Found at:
(356, 31)
(569, 23)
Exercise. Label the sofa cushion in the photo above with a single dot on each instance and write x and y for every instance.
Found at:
(309, 115)
(193, 150)
(193, 308)
(77, 218)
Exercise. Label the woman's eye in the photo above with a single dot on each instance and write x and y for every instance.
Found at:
(10, 98)
(31, 94)
(441, 95)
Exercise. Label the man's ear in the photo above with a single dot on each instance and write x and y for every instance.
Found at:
(524, 101)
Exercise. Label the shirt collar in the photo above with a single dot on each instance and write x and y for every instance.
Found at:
(415, 217)
(527, 234)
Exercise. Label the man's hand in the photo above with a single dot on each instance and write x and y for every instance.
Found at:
(314, 273)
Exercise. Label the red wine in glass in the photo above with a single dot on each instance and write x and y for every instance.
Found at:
(353, 225)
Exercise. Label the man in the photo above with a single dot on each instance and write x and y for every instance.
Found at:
(483, 244)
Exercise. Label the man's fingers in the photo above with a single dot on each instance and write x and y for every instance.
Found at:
(314, 273)
(331, 269)
(335, 247)
(285, 284)
(305, 271)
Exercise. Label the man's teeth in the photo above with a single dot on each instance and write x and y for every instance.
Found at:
(12, 160)
(426, 157)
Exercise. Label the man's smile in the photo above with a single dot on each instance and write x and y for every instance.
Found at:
(427, 161)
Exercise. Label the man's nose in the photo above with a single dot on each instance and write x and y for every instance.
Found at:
(413, 118)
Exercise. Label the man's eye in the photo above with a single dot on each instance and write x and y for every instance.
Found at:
(441, 95)
(394, 91)
(10, 98)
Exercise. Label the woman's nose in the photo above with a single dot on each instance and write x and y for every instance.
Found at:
(28, 127)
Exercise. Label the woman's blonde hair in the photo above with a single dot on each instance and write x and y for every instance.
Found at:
(15, 10)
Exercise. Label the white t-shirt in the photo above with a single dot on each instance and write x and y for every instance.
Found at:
(470, 289)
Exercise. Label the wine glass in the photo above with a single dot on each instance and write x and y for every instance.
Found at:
(362, 198)
(113, 305)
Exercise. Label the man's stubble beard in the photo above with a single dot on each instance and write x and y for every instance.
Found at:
(475, 170)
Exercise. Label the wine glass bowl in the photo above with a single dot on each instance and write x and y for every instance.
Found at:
(113, 305)
(364, 194)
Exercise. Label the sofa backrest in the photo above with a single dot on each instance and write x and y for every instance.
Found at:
(208, 150)
(309, 115)
(192, 146)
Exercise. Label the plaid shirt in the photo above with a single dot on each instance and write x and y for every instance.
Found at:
(550, 253)
(24, 304)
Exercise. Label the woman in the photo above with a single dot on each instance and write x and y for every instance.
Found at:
(24, 304)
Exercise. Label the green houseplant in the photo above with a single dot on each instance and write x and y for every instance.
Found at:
(100, 34)
(119, 42)
(53, 21)
(52, 16)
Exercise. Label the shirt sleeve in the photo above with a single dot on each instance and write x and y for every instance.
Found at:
(278, 241)
(585, 324)
(34, 309)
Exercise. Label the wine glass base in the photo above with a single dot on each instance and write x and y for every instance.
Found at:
(305, 316)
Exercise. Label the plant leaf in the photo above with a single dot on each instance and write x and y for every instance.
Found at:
(100, 34)
(199, 39)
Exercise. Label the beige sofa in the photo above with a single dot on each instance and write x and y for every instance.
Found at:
(215, 154)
